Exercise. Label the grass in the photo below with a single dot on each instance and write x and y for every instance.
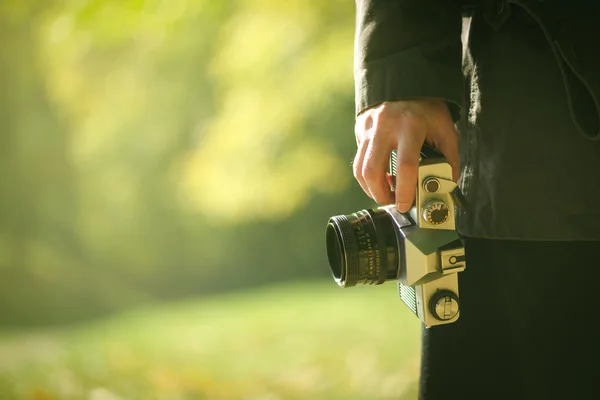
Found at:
(286, 342)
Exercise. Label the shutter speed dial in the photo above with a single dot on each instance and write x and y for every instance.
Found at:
(435, 212)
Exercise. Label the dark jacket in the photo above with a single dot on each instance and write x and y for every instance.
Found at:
(523, 86)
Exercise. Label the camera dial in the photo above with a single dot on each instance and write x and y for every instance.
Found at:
(420, 249)
(435, 212)
(444, 305)
(431, 185)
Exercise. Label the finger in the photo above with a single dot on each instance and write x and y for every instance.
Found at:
(357, 166)
(410, 141)
(374, 170)
(364, 122)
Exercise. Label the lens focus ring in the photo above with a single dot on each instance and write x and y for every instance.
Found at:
(362, 248)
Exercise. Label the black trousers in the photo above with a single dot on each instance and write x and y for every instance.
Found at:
(527, 329)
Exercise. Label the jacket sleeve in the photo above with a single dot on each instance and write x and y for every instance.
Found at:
(408, 49)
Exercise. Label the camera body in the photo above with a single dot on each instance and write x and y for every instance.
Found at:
(419, 249)
(429, 284)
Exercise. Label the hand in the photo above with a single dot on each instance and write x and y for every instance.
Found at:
(404, 125)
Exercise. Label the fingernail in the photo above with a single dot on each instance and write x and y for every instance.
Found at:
(403, 207)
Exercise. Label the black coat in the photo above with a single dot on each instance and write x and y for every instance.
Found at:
(523, 85)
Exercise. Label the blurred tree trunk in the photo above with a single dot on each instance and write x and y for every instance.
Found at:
(38, 205)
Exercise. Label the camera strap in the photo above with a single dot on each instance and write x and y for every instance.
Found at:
(459, 198)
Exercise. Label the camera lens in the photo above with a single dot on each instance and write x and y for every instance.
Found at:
(362, 248)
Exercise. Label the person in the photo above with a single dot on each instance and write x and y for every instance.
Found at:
(509, 93)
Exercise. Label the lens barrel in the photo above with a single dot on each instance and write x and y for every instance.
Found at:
(362, 248)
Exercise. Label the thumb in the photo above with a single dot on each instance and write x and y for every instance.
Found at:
(410, 141)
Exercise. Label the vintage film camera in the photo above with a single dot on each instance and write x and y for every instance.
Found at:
(419, 249)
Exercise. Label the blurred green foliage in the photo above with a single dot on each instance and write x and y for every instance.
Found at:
(157, 149)
(153, 150)
(290, 342)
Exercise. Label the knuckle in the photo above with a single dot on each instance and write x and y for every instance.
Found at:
(384, 117)
(387, 110)
(395, 109)
(363, 123)
(389, 117)
(369, 172)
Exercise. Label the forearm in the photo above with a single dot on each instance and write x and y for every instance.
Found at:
(407, 49)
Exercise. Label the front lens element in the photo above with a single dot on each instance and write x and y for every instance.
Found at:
(362, 248)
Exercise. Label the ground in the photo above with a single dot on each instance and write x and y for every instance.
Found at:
(285, 342)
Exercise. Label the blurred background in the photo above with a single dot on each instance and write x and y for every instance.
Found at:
(167, 169)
